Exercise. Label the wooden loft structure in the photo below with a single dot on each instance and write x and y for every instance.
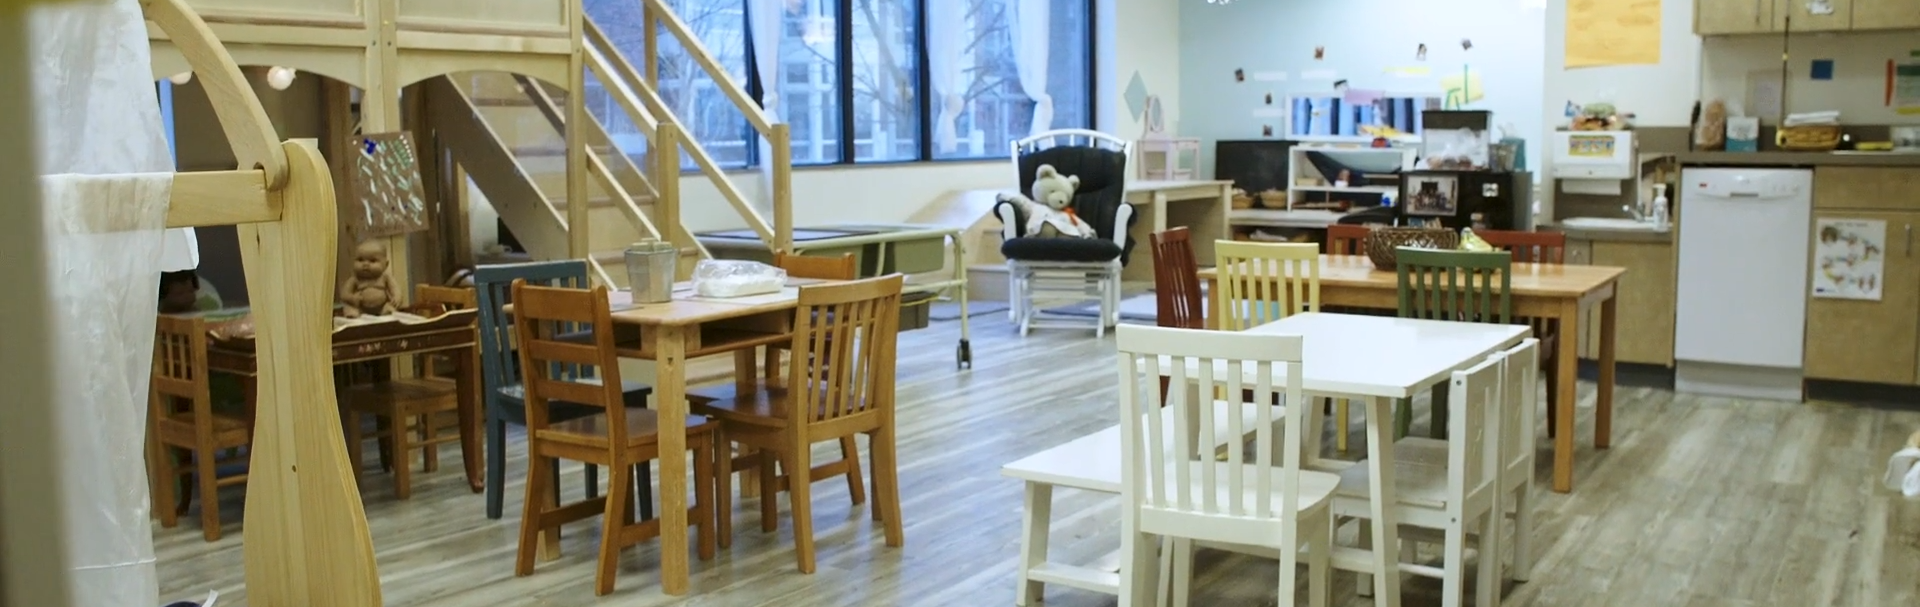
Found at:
(488, 88)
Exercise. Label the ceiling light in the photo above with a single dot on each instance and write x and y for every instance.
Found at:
(280, 77)
(181, 78)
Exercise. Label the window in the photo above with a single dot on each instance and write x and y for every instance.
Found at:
(693, 96)
(863, 81)
(990, 104)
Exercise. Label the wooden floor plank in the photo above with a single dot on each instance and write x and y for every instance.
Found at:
(1702, 501)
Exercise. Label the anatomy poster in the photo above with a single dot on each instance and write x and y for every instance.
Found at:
(1849, 258)
(387, 195)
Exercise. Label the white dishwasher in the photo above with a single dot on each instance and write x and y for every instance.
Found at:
(1740, 326)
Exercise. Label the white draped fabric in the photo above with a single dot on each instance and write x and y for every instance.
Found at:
(105, 180)
(946, 42)
(1032, 46)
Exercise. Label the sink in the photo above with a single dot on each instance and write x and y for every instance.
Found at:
(1613, 224)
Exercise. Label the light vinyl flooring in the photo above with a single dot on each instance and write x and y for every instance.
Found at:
(1700, 502)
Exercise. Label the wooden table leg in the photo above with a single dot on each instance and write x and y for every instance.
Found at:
(1212, 312)
(1565, 392)
(1603, 403)
(467, 378)
(670, 395)
(1386, 530)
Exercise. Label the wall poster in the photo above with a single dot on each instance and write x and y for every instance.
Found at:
(387, 197)
(1849, 258)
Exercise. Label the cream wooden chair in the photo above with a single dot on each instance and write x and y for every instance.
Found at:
(1264, 282)
(1182, 495)
(1519, 391)
(1453, 486)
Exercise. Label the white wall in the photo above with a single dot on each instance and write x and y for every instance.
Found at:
(1658, 95)
(1145, 41)
(1364, 41)
(1858, 87)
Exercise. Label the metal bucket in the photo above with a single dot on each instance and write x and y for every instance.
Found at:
(651, 268)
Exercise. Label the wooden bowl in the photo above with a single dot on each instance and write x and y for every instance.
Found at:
(1383, 241)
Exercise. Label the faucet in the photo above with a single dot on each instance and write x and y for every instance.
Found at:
(1634, 211)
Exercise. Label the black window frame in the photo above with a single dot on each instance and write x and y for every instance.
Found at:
(844, 93)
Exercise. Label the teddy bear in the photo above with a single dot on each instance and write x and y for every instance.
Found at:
(370, 289)
(1050, 211)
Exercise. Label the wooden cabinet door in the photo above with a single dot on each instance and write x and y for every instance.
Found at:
(1865, 340)
(1886, 14)
(1645, 310)
(1836, 15)
(1711, 17)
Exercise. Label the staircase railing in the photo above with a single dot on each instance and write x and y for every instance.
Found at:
(605, 61)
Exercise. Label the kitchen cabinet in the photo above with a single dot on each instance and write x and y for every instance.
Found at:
(1885, 14)
(1866, 188)
(1832, 16)
(1645, 308)
(1717, 17)
(1864, 340)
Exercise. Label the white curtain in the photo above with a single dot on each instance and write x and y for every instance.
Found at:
(1032, 27)
(945, 45)
(106, 176)
(765, 19)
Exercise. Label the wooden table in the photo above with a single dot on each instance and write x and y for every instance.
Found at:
(1202, 209)
(461, 341)
(1538, 290)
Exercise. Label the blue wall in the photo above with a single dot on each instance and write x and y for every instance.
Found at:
(1365, 40)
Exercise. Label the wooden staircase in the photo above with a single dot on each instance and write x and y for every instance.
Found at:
(510, 133)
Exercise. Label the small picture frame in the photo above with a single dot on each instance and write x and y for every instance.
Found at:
(1433, 196)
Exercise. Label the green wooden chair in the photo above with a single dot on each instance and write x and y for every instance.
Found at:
(1461, 286)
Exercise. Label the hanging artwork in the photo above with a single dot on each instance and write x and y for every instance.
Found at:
(1849, 258)
(387, 196)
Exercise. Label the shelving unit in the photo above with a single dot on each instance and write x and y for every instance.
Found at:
(1305, 180)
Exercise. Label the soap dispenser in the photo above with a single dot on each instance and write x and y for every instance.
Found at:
(1659, 211)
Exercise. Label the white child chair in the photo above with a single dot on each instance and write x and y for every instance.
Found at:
(1074, 269)
(1185, 493)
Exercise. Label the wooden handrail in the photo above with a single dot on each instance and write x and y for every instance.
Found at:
(617, 75)
(241, 116)
(735, 92)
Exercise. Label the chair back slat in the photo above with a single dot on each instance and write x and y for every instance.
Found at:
(1176, 281)
(1185, 480)
(844, 350)
(1265, 282)
(844, 267)
(1528, 247)
(1347, 239)
(499, 363)
(180, 364)
(1471, 286)
(1519, 397)
(1474, 429)
(566, 335)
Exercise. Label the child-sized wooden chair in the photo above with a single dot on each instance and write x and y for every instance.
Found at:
(1264, 282)
(413, 411)
(552, 354)
(840, 383)
(1460, 286)
(181, 419)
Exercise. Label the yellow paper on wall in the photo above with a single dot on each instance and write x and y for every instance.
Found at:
(1612, 32)
(1463, 88)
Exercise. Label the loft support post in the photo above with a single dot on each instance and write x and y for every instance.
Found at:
(666, 164)
(782, 188)
(578, 208)
(306, 537)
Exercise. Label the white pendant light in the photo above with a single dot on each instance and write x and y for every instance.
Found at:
(181, 78)
(280, 77)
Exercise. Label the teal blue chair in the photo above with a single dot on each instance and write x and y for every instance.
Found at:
(500, 376)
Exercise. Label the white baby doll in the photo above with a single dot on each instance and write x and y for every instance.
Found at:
(1050, 210)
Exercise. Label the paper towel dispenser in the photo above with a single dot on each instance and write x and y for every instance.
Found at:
(1593, 155)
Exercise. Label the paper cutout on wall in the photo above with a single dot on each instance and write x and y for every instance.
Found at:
(1319, 52)
(1271, 76)
(1466, 44)
(1239, 75)
(387, 195)
(1136, 95)
(1612, 32)
(1269, 112)
(1421, 53)
(1319, 75)
(1463, 88)
(1266, 130)
(1822, 69)
(1820, 7)
(1269, 99)
(1410, 71)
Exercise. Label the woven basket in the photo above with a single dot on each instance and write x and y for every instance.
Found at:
(1814, 138)
(1382, 241)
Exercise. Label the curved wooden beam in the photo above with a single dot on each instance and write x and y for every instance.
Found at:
(306, 538)
(255, 142)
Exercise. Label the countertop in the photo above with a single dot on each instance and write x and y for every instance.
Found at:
(1865, 159)
(1613, 235)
